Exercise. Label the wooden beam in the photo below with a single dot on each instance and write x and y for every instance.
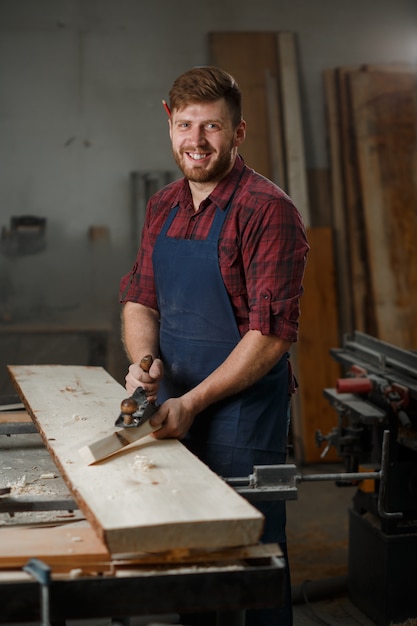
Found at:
(155, 497)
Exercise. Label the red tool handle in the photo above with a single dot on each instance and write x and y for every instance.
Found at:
(356, 384)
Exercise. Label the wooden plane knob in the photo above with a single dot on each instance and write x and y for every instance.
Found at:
(127, 408)
(146, 362)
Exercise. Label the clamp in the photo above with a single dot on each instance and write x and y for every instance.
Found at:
(42, 573)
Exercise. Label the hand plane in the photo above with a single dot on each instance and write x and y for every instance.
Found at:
(136, 410)
(133, 421)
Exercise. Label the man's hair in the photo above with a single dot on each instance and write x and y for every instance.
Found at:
(207, 84)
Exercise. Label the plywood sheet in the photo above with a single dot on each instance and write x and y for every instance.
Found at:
(155, 497)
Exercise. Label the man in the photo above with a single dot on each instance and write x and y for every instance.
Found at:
(214, 297)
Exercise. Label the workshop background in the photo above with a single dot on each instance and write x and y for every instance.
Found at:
(84, 142)
(331, 101)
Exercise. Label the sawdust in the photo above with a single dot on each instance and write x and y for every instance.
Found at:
(35, 487)
(21, 487)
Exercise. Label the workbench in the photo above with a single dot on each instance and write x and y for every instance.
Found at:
(227, 589)
(88, 581)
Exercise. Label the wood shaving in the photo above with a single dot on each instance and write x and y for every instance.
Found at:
(142, 463)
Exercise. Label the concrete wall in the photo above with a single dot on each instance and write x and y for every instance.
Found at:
(81, 83)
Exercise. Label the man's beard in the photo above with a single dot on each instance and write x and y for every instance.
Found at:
(215, 172)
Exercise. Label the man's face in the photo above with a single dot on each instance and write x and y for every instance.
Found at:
(204, 142)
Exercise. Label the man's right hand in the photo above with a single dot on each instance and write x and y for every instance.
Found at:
(136, 377)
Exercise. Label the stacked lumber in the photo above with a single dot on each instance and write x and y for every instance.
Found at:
(265, 65)
(372, 129)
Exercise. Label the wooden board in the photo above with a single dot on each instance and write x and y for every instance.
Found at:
(75, 547)
(15, 417)
(155, 497)
(250, 57)
(315, 368)
(296, 185)
(338, 210)
(362, 309)
(258, 61)
(384, 106)
(63, 548)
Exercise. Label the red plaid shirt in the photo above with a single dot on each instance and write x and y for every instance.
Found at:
(262, 248)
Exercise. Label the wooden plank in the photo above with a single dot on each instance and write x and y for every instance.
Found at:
(249, 56)
(259, 551)
(292, 124)
(63, 548)
(155, 497)
(276, 141)
(384, 106)
(355, 295)
(69, 547)
(319, 332)
(15, 417)
(338, 209)
(362, 306)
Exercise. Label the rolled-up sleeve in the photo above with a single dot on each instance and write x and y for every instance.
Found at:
(276, 259)
(138, 285)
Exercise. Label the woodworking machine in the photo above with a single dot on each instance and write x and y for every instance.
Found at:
(376, 405)
(376, 438)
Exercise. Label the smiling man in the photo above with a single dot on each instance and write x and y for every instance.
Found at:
(214, 297)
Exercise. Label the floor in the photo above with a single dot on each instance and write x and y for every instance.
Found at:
(317, 535)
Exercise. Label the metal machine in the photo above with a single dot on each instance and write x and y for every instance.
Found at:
(376, 404)
(376, 437)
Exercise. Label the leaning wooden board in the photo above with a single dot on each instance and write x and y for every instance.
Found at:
(155, 497)
(384, 106)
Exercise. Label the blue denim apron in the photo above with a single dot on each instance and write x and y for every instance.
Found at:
(198, 330)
